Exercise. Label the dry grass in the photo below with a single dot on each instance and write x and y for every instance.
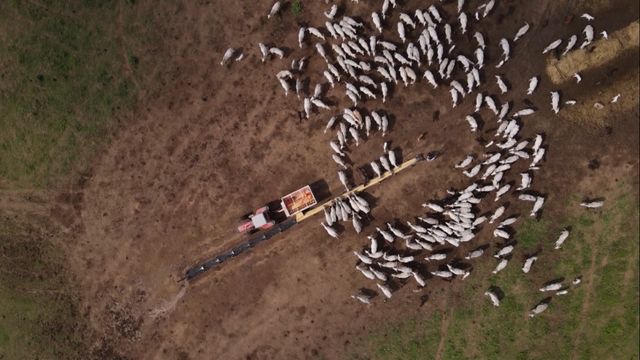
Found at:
(604, 51)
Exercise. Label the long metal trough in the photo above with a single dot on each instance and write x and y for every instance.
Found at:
(238, 249)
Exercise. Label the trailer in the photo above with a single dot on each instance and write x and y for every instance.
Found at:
(298, 201)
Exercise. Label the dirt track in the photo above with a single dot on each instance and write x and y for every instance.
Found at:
(220, 142)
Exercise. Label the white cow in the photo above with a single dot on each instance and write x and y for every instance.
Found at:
(537, 206)
(493, 297)
(474, 254)
(523, 30)
(227, 56)
(538, 309)
(533, 84)
(365, 299)
(277, 52)
(274, 9)
(528, 263)
(385, 290)
(501, 265)
(401, 32)
(343, 179)
(331, 231)
(357, 225)
(563, 236)
(419, 279)
(442, 274)
(364, 258)
(496, 214)
(332, 12)
(465, 162)
(551, 287)
(552, 46)
(385, 235)
(436, 257)
(504, 251)
(555, 101)
(501, 234)
(592, 204)
(503, 87)
(570, 44)
(366, 272)
(473, 124)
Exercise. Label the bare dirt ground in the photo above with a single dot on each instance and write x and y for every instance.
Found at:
(218, 142)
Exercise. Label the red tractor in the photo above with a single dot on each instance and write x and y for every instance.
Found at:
(290, 205)
(260, 220)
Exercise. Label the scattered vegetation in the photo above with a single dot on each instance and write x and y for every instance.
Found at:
(296, 7)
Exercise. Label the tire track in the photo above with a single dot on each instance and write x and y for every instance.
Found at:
(444, 330)
(586, 304)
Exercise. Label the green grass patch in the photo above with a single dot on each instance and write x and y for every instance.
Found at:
(531, 233)
(38, 314)
(296, 7)
(613, 314)
(65, 79)
(411, 340)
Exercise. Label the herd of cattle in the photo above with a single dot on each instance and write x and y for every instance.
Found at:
(398, 49)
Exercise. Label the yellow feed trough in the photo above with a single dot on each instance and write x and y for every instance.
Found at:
(300, 216)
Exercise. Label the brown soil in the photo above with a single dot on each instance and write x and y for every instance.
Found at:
(219, 142)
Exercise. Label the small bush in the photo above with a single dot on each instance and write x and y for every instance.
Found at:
(296, 7)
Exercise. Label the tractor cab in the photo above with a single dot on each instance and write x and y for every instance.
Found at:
(259, 220)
